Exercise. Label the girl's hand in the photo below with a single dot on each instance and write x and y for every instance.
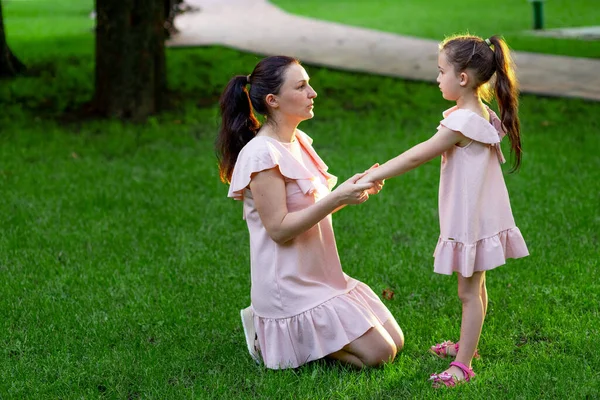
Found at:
(377, 184)
(351, 192)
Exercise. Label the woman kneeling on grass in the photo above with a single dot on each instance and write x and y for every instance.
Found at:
(303, 306)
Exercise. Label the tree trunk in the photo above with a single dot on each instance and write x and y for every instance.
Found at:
(9, 64)
(130, 58)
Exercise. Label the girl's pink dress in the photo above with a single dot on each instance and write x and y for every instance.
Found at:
(305, 307)
(477, 228)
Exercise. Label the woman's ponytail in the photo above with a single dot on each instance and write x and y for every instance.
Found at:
(238, 125)
(238, 104)
(507, 94)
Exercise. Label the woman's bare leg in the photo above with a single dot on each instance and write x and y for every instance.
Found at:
(346, 358)
(372, 349)
(392, 327)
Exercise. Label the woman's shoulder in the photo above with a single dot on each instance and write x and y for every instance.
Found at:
(259, 147)
(256, 144)
(260, 154)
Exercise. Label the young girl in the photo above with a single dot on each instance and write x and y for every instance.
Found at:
(478, 232)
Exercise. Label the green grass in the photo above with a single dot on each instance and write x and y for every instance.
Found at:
(435, 19)
(124, 265)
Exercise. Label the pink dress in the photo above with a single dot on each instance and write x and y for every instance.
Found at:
(305, 307)
(477, 228)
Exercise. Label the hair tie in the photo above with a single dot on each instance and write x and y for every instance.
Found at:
(487, 41)
(248, 79)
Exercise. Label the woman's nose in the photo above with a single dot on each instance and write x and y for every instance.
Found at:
(312, 94)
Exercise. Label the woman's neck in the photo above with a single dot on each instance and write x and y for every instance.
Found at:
(284, 131)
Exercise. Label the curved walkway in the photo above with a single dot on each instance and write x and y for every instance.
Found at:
(237, 24)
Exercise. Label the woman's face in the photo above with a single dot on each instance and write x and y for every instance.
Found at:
(296, 96)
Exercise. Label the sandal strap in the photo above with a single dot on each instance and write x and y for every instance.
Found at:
(444, 377)
(468, 372)
(442, 348)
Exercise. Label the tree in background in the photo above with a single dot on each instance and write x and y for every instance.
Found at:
(130, 76)
(171, 10)
(9, 64)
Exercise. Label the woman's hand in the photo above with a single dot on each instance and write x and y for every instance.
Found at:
(351, 192)
(377, 184)
(270, 199)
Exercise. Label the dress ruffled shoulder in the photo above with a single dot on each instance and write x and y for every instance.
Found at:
(263, 153)
(474, 126)
(495, 121)
(306, 142)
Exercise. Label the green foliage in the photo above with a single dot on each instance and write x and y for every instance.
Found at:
(124, 265)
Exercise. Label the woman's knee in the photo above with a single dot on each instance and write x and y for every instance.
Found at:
(399, 342)
(376, 348)
(380, 355)
(394, 330)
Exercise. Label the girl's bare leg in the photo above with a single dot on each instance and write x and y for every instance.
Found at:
(484, 299)
(470, 294)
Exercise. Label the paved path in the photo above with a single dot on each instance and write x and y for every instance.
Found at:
(258, 26)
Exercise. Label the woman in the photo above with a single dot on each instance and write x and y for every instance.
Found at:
(303, 305)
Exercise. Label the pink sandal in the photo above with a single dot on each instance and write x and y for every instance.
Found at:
(451, 380)
(441, 350)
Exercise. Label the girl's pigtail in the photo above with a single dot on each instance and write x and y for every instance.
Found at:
(507, 93)
(238, 125)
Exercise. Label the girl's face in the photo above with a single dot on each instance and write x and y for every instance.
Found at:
(448, 79)
(296, 97)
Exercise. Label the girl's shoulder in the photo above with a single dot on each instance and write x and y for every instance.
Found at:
(472, 125)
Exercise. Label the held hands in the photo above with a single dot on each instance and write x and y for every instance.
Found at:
(351, 192)
(366, 178)
(357, 189)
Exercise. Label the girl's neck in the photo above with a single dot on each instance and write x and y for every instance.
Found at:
(473, 103)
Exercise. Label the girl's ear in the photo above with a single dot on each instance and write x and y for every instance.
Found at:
(464, 79)
(271, 100)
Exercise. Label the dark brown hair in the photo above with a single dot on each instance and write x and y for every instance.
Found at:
(238, 122)
(473, 53)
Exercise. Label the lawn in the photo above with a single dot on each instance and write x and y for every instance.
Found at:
(124, 264)
(511, 18)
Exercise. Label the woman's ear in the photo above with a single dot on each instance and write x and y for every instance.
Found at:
(271, 100)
